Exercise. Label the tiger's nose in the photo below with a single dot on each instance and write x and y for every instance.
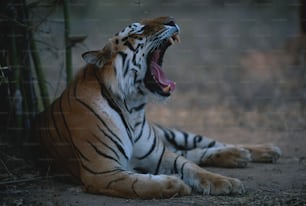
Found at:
(170, 22)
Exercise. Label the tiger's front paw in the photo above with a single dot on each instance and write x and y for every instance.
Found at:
(264, 153)
(215, 184)
(172, 186)
(228, 157)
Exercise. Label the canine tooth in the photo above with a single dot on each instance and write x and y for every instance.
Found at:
(177, 38)
(171, 40)
(167, 89)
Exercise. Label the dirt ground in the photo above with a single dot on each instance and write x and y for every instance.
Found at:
(283, 183)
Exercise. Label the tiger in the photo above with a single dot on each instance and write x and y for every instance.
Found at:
(97, 132)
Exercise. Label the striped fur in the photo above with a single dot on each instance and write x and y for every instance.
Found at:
(97, 130)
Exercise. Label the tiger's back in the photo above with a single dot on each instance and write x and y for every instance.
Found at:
(71, 121)
(57, 125)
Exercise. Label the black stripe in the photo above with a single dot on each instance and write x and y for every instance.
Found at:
(101, 153)
(107, 146)
(182, 170)
(95, 114)
(89, 108)
(115, 107)
(133, 187)
(174, 165)
(141, 30)
(211, 144)
(119, 147)
(126, 68)
(196, 140)
(123, 56)
(117, 170)
(135, 62)
(138, 123)
(52, 149)
(160, 159)
(135, 79)
(185, 139)
(138, 108)
(134, 109)
(66, 126)
(149, 135)
(170, 136)
(115, 70)
(204, 153)
(127, 127)
(141, 130)
(141, 92)
(150, 150)
(139, 46)
(115, 181)
(81, 154)
(68, 131)
(129, 45)
(111, 132)
(184, 153)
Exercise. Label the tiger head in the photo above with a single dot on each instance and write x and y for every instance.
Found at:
(131, 62)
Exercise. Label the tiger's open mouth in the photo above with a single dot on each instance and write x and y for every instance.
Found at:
(155, 79)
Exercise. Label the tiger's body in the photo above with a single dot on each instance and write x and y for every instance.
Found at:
(97, 130)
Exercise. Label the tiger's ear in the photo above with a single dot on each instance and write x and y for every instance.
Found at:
(91, 57)
(98, 57)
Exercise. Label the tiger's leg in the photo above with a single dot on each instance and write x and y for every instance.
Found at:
(202, 150)
(199, 179)
(205, 151)
(227, 156)
(181, 140)
(122, 183)
(158, 159)
(104, 169)
(232, 156)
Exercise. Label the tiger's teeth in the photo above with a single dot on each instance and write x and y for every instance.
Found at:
(171, 40)
(167, 89)
(177, 38)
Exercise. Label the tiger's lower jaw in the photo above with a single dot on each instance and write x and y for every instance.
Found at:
(159, 91)
(163, 93)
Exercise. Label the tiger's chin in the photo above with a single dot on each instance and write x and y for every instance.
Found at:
(155, 79)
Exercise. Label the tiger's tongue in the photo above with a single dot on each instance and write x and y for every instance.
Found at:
(159, 74)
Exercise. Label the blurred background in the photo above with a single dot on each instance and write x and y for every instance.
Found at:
(240, 68)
